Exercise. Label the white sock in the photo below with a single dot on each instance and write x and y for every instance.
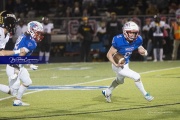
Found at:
(155, 54)
(140, 86)
(47, 54)
(21, 91)
(41, 54)
(161, 54)
(4, 88)
(113, 85)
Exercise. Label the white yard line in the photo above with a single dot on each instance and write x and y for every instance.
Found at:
(24, 94)
(92, 82)
(114, 77)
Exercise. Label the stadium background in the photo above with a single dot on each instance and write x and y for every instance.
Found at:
(65, 45)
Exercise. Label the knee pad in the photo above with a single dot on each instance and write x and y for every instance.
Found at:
(120, 80)
(136, 77)
(25, 77)
(27, 82)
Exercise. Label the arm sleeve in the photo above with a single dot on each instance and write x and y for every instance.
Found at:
(26, 49)
(140, 40)
(30, 46)
(114, 43)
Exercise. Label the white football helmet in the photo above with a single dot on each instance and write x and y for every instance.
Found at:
(130, 27)
(35, 29)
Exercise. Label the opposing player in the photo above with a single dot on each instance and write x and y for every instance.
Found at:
(125, 44)
(7, 25)
(27, 43)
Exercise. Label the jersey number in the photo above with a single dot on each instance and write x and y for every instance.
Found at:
(127, 54)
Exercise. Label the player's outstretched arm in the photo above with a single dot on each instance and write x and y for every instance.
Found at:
(9, 52)
(142, 51)
(23, 52)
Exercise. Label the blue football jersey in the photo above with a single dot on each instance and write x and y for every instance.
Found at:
(25, 41)
(124, 47)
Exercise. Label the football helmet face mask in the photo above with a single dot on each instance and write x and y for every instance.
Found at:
(130, 30)
(8, 21)
(35, 29)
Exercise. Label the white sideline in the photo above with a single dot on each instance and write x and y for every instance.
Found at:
(92, 82)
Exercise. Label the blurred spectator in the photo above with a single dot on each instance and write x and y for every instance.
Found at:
(21, 28)
(162, 5)
(101, 33)
(76, 10)
(156, 31)
(90, 7)
(60, 10)
(43, 7)
(19, 9)
(135, 11)
(94, 12)
(113, 27)
(172, 8)
(147, 42)
(45, 44)
(68, 12)
(166, 33)
(85, 12)
(152, 9)
(121, 7)
(85, 34)
(10, 5)
(176, 34)
(85, 3)
(32, 9)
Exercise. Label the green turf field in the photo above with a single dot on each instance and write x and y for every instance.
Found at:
(72, 91)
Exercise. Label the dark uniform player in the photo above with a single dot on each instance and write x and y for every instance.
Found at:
(7, 25)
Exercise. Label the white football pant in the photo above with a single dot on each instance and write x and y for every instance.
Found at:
(23, 75)
(125, 72)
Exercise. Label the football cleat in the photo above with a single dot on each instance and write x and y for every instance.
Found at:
(107, 96)
(148, 97)
(20, 103)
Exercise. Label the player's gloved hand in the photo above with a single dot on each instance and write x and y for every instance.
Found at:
(33, 67)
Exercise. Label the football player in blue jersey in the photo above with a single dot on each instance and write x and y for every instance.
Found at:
(125, 44)
(27, 43)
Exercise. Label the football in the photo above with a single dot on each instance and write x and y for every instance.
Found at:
(118, 58)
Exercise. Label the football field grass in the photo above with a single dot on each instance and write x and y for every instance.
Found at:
(72, 91)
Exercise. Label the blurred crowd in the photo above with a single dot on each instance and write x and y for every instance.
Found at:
(107, 28)
(76, 8)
